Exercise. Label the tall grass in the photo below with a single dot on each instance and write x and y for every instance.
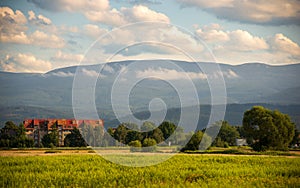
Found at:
(179, 171)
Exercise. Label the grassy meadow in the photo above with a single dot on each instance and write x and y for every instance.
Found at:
(182, 170)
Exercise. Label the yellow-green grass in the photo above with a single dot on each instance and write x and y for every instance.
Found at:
(180, 171)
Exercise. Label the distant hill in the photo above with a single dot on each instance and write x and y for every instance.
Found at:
(234, 114)
(50, 94)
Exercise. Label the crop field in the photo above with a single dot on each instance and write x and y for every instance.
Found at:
(182, 170)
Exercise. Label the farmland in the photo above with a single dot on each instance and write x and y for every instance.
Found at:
(182, 170)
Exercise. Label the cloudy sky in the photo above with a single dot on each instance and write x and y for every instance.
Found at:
(40, 35)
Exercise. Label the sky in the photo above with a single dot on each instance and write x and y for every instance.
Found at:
(38, 35)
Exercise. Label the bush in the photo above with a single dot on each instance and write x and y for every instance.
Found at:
(135, 146)
(149, 145)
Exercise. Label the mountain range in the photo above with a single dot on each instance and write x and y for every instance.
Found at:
(35, 95)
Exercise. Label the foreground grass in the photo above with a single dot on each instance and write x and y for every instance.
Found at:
(179, 171)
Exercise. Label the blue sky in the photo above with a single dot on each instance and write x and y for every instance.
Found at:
(40, 35)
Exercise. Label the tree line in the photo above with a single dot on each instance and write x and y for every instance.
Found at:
(263, 129)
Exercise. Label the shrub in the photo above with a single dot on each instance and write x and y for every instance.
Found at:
(135, 146)
(149, 145)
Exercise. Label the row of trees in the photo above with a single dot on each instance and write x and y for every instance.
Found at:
(264, 129)
(168, 133)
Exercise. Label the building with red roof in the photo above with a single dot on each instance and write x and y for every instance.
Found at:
(37, 128)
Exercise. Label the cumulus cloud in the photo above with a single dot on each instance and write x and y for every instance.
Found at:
(24, 63)
(100, 11)
(140, 13)
(212, 33)
(14, 30)
(244, 41)
(12, 26)
(155, 39)
(279, 42)
(240, 46)
(69, 5)
(274, 12)
(43, 39)
(169, 74)
(93, 31)
(40, 19)
(238, 40)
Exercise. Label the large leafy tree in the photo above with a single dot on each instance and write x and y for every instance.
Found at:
(51, 139)
(167, 129)
(12, 135)
(196, 139)
(120, 133)
(266, 129)
(227, 134)
(74, 139)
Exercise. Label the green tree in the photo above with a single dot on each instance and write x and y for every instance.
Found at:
(178, 137)
(120, 133)
(14, 136)
(194, 142)
(227, 134)
(266, 129)
(131, 126)
(147, 126)
(132, 136)
(108, 139)
(74, 139)
(157, 135)
(296, 139)
(167, 129)
(50, 139)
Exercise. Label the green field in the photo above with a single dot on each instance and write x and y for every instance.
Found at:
(87, 170)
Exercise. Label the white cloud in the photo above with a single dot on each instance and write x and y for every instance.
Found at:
(20, 38)
(238, 40)
(109, 17)
(212, 33)
(60, 56)
(239, 46)
(243, 41)
(259, 12)
(40, 19)
(91, 73)
(62, 74)
(279, 42)
(62, 59)
(151, 38)
(13, 29)
(70, 5)
(46, 40)
(8, 15)
(100, 11)
(169, 74)
(24, 63)
(12, 26)
(141, 13)
(229, 74)
(108, 68)
(93, 31)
